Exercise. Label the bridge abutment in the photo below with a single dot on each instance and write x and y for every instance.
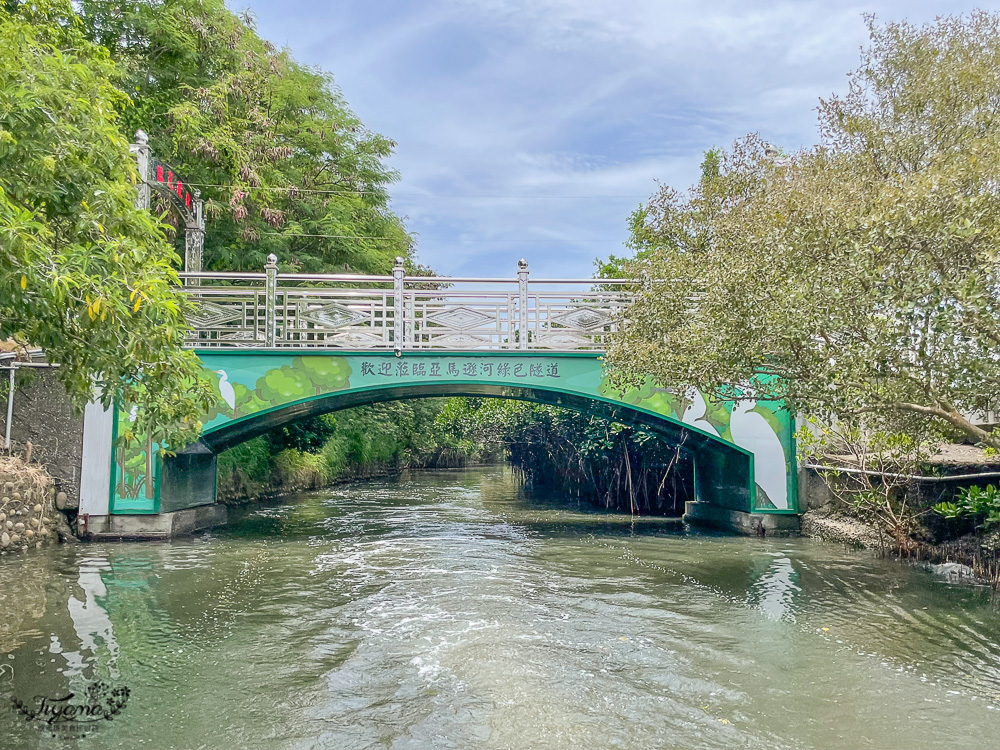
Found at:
(155, 526)
(188, 479)
(701, 513)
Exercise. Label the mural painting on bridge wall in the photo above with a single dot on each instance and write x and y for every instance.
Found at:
(303, 377)
(253, 383)
(135, 465)
(765, 428)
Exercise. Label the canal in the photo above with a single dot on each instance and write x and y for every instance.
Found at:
(446, 610)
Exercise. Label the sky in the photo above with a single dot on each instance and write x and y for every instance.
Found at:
(534, 128)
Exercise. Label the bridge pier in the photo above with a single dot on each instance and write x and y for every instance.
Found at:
(701, 513)
(188, 479)
(155, 526)
(185, 503)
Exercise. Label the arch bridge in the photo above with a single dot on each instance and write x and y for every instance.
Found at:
(281, 347)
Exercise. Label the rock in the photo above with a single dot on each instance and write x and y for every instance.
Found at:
(9, 524)
(3, 517)
(8, 487)
(46, 520)
(17, 497)
(61, 499)
(63, 531)
(34, 522)
(38, 508)
(954, 571)
(19, 527)
(14, 538)
(4, 539)
(43, 532)
(4, 500)
(29, 534)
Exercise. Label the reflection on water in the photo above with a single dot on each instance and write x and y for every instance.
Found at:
(90, 620)
(774, 591)
(446, 610)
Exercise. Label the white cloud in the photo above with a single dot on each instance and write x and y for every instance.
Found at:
(543, 99)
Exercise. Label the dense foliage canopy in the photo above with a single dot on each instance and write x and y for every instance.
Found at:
(363, 441)
(862, 272)
(83, 273)
(283, 163)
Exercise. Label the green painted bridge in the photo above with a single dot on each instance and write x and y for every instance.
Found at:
(283, 347)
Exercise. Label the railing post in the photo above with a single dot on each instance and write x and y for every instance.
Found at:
(522, 304)
(141, 150)
(398, 319)
(194, 238)
(270, 300)
(10, 409)
(511, 322)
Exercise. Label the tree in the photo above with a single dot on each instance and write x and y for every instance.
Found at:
(284, 165)
(83, 273)
(863, 272)
(573, 454)
(306, 436)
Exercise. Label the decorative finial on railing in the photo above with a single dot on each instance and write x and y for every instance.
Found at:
(271, 334)
(140, 149)
(522, 304)
(774, 156)
(398, 310)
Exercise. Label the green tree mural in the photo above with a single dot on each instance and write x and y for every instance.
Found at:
(325, 373)
(307, 375)
(284, 384)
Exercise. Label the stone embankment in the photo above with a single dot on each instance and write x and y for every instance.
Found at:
(839, 528)
(960, 551)
(29, 507)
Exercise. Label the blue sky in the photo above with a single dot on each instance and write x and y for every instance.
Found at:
(532, 128)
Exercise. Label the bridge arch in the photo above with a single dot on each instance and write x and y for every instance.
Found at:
(261, 390)
(725, 469)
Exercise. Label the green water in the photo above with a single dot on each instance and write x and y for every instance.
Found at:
(446, 611)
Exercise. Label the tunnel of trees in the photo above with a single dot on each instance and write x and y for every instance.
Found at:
(551, 449)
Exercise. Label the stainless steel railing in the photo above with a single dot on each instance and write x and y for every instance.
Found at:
(400, 312)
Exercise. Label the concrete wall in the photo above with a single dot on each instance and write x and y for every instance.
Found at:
(44, 416)
(188, 480)
(814, 492)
